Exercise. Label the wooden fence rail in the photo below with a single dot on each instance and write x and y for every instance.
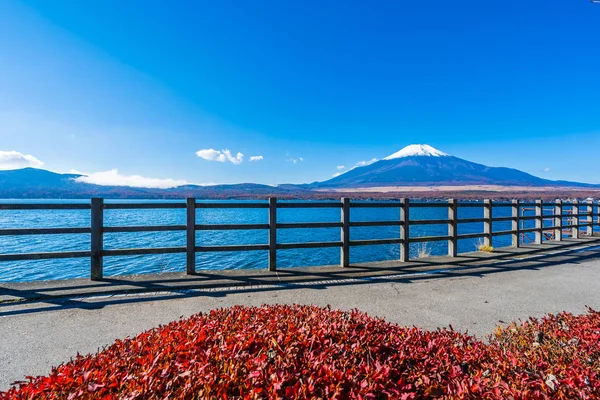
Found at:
(574, 212)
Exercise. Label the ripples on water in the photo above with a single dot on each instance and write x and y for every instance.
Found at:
(125, 265)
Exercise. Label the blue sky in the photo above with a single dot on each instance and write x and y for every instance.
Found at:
(142, 86)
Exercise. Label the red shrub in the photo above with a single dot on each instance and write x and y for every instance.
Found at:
(309, 352)
(557, 356)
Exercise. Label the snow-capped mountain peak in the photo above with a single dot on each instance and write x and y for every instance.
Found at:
(417, 150)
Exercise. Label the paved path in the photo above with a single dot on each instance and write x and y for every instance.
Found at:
(475, 294)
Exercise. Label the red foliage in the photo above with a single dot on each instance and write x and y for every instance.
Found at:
(309, 352)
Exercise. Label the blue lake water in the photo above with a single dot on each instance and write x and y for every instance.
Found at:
(127, 265)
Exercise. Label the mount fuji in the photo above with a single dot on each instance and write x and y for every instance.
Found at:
(423, 165)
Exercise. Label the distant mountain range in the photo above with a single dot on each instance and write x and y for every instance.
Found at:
(423, 165)
(39, 183)
(415, 165)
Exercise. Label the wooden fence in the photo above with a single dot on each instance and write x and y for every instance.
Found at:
(578, 216)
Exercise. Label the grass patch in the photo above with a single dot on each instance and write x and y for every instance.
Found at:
(486, 248)
(423, 250)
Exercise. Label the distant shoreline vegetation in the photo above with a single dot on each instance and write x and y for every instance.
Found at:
(424, 196)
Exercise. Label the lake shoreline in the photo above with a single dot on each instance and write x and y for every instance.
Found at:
(431, 192)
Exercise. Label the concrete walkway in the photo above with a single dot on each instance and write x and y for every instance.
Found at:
(44, 324)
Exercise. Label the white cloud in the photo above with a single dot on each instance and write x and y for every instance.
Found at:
(293, 159)
(546, 169)
(220, 156)
(365, 163)
(16, 160)
(256, 158)
(113, 178)
(358, 164)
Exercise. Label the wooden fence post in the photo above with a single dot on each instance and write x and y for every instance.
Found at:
(558, 220)
(487, 223)
(515, 224)
(452, 228)
(597, 209)
(190, 265)
(97, 242)
(575, 221)
(345, 233)
(404, 229)
(272, 233)
(590, 218)
(539, 222)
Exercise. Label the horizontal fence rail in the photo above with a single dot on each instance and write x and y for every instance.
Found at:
(580, 218)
